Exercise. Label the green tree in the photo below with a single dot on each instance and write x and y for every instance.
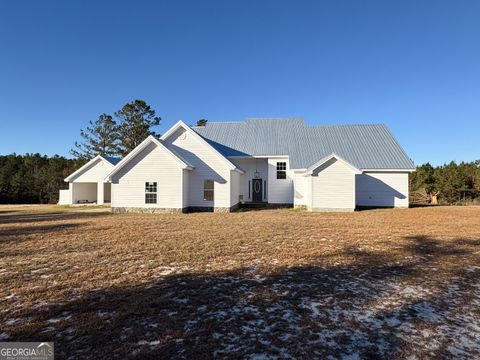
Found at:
(136, 120)
(33, 178)
(99, 138)
(202, 122)
(423, 178)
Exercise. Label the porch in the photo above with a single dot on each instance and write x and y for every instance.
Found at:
(86, 193)
(253, 184)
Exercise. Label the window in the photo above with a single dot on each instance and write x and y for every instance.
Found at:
(150, 193)
(208, 190)
(281, 170)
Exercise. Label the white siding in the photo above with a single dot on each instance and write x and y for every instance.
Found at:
(333, 187)
(152, 164)
(64, 197)
(382, 189)
(185, 185)
(208, 166)
(235, 187)
(250, 166)
(280, 191)
(95, 173)
(302, 189)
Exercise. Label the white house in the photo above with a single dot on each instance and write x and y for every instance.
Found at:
(220, 166)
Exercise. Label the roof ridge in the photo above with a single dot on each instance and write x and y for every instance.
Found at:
(353, 124)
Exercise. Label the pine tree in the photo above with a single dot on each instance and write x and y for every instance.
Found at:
(99, 138)
(136, 120)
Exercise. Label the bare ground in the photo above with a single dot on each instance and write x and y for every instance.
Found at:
(260, 284)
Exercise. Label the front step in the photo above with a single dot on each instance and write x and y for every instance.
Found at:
(250, 205)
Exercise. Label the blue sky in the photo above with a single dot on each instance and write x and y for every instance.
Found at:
(413, 65)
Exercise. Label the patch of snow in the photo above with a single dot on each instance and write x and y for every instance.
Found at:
(150, 343)
(39, 270)
(12, 321)
(57, 320)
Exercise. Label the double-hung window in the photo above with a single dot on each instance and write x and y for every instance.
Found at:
(208, 190)
(281, 170)
(150, 193)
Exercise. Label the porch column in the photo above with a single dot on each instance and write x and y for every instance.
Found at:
(70, 193)
(100, 195)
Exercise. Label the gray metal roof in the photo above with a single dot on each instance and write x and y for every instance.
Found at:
(112, 160)
(174, 149)
(364, 146)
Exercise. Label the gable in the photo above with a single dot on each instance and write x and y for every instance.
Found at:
(333, 166)
(151, 159)
(330, 160)
(193, 147)
(93, 171)
(149, 142)
(196, 152)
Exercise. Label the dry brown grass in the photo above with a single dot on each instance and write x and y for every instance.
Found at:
(276, 283)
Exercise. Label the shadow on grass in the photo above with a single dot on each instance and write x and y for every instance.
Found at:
(49, 216)
(4, 212)
(12, 235)
(309, 311)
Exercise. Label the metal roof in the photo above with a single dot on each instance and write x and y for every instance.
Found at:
(112, 160)
(364, 146)
(172, 149)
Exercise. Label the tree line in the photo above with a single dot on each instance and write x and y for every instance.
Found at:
(34, 178)
(448, 184)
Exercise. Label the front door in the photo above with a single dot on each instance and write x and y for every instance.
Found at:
(257, 190)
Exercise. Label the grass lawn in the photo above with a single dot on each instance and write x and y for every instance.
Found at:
(259, 284)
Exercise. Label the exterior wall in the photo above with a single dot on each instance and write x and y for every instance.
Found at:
(107, 192)
(250, 166)
(302, 190)
(95, 173)
(280, 191)
(84, 191)
(333, 187)
(185, 188)
(235, 178)
(208, 166)
(152, 164)
(64, 197)
(382, 189)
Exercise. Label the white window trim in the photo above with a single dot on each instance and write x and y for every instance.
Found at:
(151, 192)
(212, 190)
(277, 171)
